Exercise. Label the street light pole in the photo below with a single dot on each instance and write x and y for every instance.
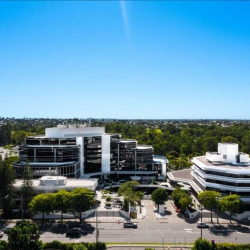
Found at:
(22, 206)
(135, 162)
(97, 231)
(163, 242)
(201, 221)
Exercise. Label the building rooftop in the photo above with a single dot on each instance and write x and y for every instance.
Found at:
(55, 183)
(221, 165)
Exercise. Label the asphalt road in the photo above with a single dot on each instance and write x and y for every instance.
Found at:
(150, 232)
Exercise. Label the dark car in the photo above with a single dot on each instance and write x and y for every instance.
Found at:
(129, 224)
(74, 232)
(202, 225)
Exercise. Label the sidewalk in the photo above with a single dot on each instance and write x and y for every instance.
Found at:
(143, 246)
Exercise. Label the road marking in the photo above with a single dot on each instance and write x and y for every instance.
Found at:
(188, 229)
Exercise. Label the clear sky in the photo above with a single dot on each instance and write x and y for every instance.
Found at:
(134, 59)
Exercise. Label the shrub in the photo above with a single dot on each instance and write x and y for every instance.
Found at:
(97, 246)
(79, 247)
(108, 198)
(3, 245)
(108, 204)
(126, 205)
(105, 191)
(202, 244)
(133, 215)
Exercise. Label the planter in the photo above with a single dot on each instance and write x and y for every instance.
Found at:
(108, 205)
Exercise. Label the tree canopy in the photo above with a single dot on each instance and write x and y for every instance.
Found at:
(209, 200)
(230, 204)
(159, 196)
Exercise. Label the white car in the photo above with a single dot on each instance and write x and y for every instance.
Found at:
(1, 234)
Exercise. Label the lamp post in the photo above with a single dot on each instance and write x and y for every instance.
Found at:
(135, 161)
(163, 242)
(22, 206)
(201, 207)
(96, 221)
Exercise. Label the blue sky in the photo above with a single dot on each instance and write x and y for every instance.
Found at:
(158, 60)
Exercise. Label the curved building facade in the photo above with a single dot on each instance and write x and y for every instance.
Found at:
(76, 152)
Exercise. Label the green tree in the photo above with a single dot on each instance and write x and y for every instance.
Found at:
(81, 200)
(185, 201)
(159, 196)
(210, 144)
(27, 191)
(126, 185)
(6, 184)
(230, 204)
(24, 236)
(62, 202)
(42, 203)
(18, 137)
(177, 194)
(209, 200)
(229, 139)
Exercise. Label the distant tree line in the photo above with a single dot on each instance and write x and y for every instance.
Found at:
(172, 140)
(185, 140)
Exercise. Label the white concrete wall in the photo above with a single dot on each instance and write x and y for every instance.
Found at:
(106, 153)
(80, 141)
(214, 157)
(231, 150)
(87, 213)
(73, 132)
(244, 215)
(54, 216)
(244, 158)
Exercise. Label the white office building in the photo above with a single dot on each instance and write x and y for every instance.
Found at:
(85, 152)
(226, 171)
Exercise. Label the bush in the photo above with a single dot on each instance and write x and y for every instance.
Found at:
(108, 204)
(108, 198)
(105, 191)
(3, 245)
(79, 247)
(97, 246)
(126, 205)
(202, 244)
(133, 215)
(73, 246)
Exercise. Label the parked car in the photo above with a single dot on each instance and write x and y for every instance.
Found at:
(75, 224)
(202, 225)
(129, 224)
(1, 234)
(74, 232)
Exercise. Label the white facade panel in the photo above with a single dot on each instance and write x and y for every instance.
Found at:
(74, 132)
(80, 142)
(229, 152)
(106, 153)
